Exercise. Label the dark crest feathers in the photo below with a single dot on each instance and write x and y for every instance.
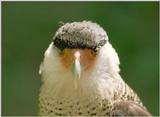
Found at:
(83, 34)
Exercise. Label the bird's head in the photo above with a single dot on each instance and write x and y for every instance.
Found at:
(78, 44)
(76, 49)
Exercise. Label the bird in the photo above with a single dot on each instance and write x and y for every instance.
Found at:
(80, 75)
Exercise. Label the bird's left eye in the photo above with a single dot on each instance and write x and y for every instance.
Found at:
(94, 52)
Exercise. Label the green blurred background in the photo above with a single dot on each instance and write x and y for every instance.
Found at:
(28, 28)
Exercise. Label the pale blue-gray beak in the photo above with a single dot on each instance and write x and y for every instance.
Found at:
(77, 68)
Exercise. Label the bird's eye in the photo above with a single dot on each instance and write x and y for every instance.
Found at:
(61, 52)
(93, 52)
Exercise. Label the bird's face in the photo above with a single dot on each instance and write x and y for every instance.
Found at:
(77, 60)
(79, 43)
(75, 51)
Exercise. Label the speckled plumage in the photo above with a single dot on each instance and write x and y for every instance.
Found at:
(100, 91)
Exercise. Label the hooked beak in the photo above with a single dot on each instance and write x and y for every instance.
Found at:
(77, 65)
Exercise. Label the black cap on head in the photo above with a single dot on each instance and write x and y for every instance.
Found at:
(83, 34)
